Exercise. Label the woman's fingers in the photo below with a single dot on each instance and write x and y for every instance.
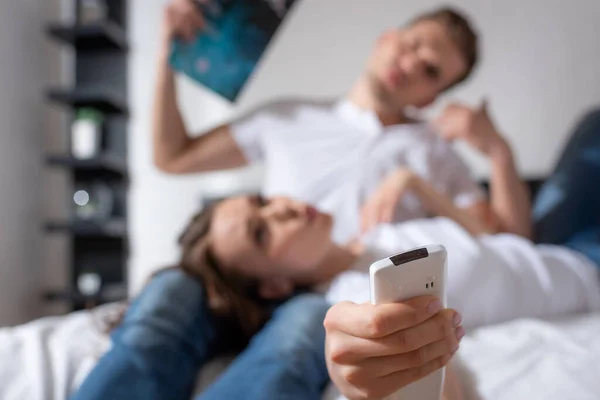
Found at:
(409, 342)
(364, 386)
(372, 351)
(377, 367)
(370, 321)
(441, 326)
(393, 382)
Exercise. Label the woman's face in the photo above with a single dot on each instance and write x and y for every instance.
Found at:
(275, 238)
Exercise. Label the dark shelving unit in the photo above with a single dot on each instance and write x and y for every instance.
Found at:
(105, 163)
(111, 293)
(96, 36)
(115, 228)
(98, 246)
(103, 99)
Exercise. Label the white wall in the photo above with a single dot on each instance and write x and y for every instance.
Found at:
(539, 72)
(27, 63)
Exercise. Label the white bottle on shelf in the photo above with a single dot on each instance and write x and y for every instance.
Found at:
(86, 134)
(92, 11)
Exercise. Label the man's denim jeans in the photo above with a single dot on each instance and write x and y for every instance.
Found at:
(168, 334)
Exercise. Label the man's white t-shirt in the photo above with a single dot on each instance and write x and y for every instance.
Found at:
(335, 155)
(491, 278)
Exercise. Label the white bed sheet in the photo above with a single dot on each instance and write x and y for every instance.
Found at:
(534, 359)
(49, 357)
(520, 360)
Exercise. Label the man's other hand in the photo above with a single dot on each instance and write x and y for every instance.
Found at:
(473, 125)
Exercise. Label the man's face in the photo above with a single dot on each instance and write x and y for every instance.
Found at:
(411, 66)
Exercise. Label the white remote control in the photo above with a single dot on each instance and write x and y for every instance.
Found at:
(400, 277)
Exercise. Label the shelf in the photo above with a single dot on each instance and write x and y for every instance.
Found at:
(115, 228)
(101, 98)
(99, 76)
(110, 293)
(93, 36)
(105, 163)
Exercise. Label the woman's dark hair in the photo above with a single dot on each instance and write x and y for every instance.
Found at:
(233, 298)
(230, 295)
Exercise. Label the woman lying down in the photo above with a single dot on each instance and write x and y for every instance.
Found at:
(242, 256)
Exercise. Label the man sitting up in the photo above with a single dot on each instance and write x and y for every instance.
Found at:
(321, 152)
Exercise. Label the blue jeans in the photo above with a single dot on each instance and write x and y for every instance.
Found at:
(567, 208)
(168, 334)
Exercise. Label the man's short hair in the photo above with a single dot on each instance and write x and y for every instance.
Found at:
(461, 32)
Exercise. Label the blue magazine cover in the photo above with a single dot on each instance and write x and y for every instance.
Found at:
(225, 53)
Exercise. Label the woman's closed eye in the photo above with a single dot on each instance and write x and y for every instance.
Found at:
(258, 229)
(261, 234)
(261, 201)
(432, 72)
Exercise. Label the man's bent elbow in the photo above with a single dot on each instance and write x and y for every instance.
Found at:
(168, 166)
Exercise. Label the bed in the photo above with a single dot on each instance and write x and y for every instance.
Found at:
(520, 360)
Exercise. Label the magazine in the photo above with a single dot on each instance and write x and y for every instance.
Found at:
(225, 53)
